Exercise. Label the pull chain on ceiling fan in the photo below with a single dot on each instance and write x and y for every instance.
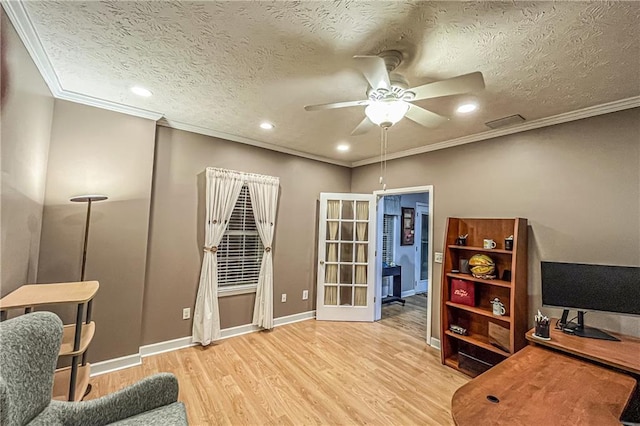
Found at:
(383, 157)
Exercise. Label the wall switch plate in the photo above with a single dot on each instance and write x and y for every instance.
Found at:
(284, 297)
(437, 257)
(305, 294)
(186, 313)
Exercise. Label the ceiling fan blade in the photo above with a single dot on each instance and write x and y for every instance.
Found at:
(334, 105)
(374, 70)
(453, 86)
(365, 126)
(424, 117)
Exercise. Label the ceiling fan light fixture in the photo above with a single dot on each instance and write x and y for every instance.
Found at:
(467, 108)
(386, 113)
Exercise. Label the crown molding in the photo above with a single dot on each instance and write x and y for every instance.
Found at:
(566, 117)
(111, 106)
(24, 27)
(247, 141)
(26, 31)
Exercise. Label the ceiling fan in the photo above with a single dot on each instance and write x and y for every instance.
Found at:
(389, 96)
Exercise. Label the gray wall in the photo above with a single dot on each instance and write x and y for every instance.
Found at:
(578, 184)
(27, 111)
(98, 151)
(177, 223)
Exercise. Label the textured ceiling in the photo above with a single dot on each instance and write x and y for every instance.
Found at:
(226, 66)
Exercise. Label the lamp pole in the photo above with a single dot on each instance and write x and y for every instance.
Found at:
(86, 199)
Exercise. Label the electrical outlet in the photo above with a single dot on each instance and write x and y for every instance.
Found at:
(305, 294)
(186, 313)
(437, 257)
(284, 297)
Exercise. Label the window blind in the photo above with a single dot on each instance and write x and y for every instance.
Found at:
(388, 231)
(240, 251)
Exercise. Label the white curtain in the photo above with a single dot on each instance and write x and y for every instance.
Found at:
(223, 189)
(362, 213)
(331, 270)
(264, 201)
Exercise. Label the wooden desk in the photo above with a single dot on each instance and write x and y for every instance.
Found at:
(396, 273)
(624, 355)
(537, 386)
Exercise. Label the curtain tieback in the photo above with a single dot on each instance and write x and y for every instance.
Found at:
(211, 249)
(267, 249)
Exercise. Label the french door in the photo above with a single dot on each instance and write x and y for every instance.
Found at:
(346, 257)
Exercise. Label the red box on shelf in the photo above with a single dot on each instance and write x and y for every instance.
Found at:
(463, 292)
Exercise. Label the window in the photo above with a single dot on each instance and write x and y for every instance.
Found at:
(388, 235)
(240, 251)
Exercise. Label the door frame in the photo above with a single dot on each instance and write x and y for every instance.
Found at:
(420, 208)
(430, 303)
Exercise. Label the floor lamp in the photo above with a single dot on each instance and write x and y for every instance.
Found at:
(86, 199)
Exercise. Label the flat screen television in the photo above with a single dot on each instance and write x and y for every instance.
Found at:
(584, 287)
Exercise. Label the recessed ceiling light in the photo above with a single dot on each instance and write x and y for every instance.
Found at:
(465, 108)
(266, 125)
(141, 91)
(343, 147)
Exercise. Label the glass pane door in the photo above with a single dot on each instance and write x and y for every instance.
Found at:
(345, 273)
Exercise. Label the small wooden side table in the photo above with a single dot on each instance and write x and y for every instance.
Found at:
(70, 383)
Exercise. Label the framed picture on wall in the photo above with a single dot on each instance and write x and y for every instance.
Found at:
(407, 226)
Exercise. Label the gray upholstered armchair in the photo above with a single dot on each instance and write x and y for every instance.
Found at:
(29, 347)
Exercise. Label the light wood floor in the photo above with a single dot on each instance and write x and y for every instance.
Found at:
(311, 372)
(410, 318)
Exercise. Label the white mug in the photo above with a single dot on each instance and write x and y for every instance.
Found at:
(498, 307)
(489, 244)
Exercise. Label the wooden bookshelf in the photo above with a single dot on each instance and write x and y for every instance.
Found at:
(479, 249)
(69, 383)
(478, 340)
(30, 295)
(68, 336)
(470, 277)
(511, 290)
(62, 378)
(486, 312)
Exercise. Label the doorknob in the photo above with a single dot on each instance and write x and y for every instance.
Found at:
(322, 262)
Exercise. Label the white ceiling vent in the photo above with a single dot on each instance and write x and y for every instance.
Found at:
(505, 121)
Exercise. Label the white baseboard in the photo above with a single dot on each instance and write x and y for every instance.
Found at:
(167, 346)
(116, 364)
(111, 365)
(408, 293)
(289, 319)
(238, 331)
(277, 322)
(435, 343)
